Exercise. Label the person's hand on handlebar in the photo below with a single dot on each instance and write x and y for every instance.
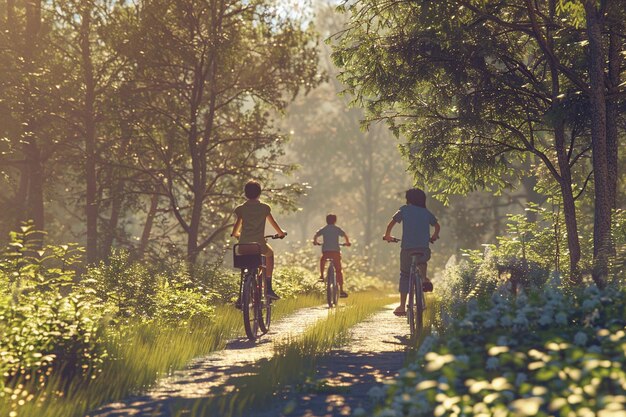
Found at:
(280, 235)
(389, 238)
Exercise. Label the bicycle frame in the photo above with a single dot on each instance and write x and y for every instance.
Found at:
(332, 287)
(256, 305)
(416, 299)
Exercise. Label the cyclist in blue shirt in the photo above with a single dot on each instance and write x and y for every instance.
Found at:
(416, 220)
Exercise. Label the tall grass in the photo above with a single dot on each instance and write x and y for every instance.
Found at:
(139, 356)
(293, 361)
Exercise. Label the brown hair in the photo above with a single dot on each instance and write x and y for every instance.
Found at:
(331, 219)
(416, 197)
(252, 189)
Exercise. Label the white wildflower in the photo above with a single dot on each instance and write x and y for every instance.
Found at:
(580, 338)
(589, 304)
(493, 363)
(594, 349)
(388, 412)
(506, 321)
(545, 319)
(376, 393)
(561, 318)
(490, 323)
(520, 322)
(467, 324)
(463, 359)
(359, 412)
(522, 299)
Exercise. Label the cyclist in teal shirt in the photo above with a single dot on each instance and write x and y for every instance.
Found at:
(416, 220)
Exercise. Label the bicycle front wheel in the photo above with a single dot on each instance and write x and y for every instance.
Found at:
(265, 307)
(331, 286)
(250, 307)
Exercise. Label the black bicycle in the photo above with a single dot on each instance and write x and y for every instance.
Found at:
(253, 298)
(416, 302)
(332, 287)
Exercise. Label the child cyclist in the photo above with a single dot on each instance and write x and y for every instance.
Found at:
(250, 228)
(331, 249)
(416, 221)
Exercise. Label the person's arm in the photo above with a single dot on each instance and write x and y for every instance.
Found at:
(390, 226)
(345, 236)
(435, 235)
(281, 234)
(237, 228)
(315, 241)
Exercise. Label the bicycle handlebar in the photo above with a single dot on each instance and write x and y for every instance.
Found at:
(396, 240)
(341, 244)
(276, 236)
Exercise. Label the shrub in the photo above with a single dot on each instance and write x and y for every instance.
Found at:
(549, 353)
(44, 330)
(127, 287)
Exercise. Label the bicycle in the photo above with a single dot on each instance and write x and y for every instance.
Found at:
(416, 302)
(255, 304)
(332, 287)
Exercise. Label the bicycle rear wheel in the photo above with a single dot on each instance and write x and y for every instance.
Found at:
(265, 304)
(420, 304)
(411, 312)
(331, 286)
(249, 306)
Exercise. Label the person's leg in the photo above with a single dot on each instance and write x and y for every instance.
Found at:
(337, 261)
(322, 265)
(269, 271)
(427, 285)
(403, 286)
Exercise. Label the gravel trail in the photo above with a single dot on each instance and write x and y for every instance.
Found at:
(345, 376)
(204, 375)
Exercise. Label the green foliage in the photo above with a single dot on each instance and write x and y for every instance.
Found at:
(128, 287)
(43, 329)
(548, 353)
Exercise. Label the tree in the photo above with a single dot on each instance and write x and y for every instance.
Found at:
(205, 121)
(475, 87)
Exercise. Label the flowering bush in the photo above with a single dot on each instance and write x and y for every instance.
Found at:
(549, 353)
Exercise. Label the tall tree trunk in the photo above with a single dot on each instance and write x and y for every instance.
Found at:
(597, 98)
(193, 235)
(117, 194)
(569, 207)
(32, 152)
(147, 228)
(117, 201)
(89, 126)
(612, 110)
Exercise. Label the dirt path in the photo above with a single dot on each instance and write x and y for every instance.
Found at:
(345, 376)
(206, 374)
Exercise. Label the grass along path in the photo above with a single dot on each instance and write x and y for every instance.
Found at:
(208, 373)
(376, 349)
(293, 362)
(146, 353)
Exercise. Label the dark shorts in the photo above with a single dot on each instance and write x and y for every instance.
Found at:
(405, 265)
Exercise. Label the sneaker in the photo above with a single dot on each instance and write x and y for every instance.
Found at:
(321, 278)
(272, 295)
(343, 294)
(427, 285)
